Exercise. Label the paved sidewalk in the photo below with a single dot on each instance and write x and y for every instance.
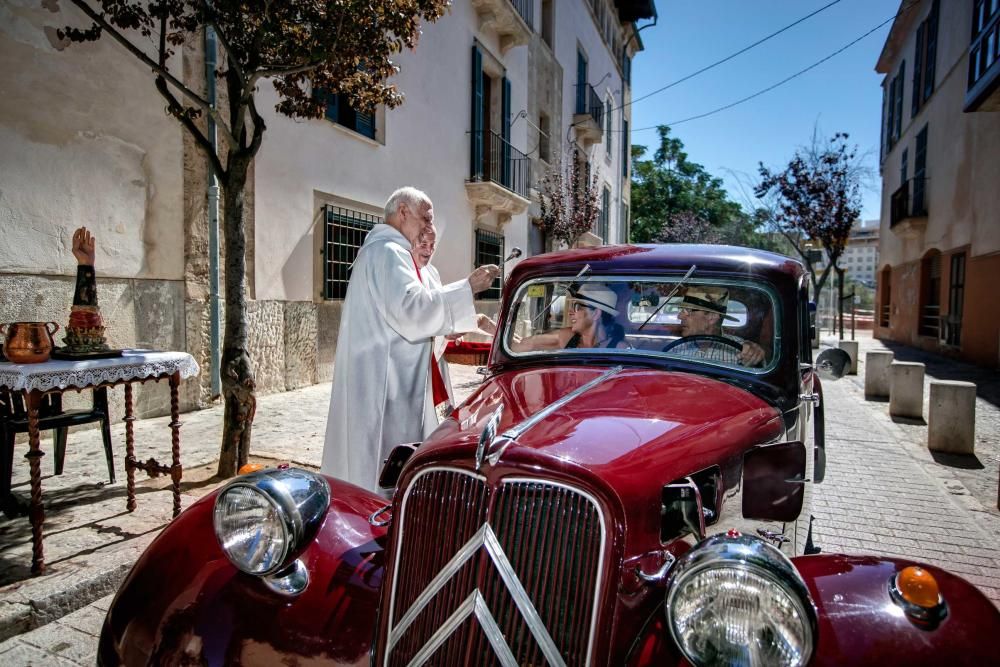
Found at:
(883, 494)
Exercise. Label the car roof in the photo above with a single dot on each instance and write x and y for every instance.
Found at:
(635, 258)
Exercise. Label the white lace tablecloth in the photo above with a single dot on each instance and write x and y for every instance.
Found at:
(59, 374)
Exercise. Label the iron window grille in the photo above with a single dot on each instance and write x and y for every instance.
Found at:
(344, 230)
(490, 250)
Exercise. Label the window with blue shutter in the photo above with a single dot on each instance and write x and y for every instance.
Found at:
(476, 165)
(505, 133)
(340, 111)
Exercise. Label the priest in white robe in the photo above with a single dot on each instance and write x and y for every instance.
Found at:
(381, 391)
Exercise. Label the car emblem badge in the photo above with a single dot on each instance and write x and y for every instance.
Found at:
(488, 435)
(475, 605)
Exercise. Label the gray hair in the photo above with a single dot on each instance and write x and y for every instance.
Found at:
(408, 195)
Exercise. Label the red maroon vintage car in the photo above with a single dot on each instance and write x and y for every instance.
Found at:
(619, 491)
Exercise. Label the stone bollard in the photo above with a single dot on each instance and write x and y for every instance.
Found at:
(951, 417)
(877, 373)
(851, 348)
(906, 389)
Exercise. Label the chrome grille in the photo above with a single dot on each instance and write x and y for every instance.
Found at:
(526, 554)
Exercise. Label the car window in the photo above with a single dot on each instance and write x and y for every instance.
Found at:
(730, 323)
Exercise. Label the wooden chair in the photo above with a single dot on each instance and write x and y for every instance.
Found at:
(14, 420)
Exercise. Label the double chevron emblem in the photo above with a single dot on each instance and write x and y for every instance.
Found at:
(475, 605)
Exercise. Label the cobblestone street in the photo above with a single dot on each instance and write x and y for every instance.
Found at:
(884, 494)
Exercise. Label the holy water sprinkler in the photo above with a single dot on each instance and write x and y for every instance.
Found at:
(515, 252)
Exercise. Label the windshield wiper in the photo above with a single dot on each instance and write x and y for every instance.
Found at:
(669, 296)
(585, 270)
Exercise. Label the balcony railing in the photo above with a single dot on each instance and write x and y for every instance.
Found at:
(908, 201)
(526, 10)
(930, 320)
(589, 102)
(500, 163)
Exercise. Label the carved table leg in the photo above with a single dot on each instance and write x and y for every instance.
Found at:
(129, 449)
(36, 511)
(175, 442)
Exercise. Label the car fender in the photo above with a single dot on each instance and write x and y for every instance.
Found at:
(184, 598)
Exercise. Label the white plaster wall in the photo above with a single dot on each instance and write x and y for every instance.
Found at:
(575, 25)
(83, 141)
(426, 145)
(962, 148)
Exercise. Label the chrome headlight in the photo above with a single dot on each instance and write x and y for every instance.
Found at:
(263, 520)
(736, 600)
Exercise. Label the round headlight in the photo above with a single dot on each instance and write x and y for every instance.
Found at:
(736, 600)
(263, 520)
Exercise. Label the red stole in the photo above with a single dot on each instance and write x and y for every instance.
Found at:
(438, 389)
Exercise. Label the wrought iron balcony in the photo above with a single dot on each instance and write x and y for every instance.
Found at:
(511, 19)
(908, 206)
(499, 176)
(589, 117)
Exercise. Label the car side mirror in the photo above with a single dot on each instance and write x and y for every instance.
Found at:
(681, 511)
(392, 467)
(773, 479)
(832, 363)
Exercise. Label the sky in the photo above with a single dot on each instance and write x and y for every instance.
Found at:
(843, 94)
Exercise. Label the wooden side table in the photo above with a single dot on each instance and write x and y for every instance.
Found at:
(36, 380)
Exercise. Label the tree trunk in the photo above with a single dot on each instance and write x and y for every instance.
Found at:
(238, 384)
(840, 299)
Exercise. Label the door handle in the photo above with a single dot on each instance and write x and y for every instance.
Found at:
(809, 398)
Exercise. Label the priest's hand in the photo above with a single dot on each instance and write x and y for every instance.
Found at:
(483, 277)
(84, 246)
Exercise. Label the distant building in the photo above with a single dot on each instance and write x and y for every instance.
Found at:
(940, 218)
(860, 258)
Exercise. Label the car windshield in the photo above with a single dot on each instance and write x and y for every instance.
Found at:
(725, 322)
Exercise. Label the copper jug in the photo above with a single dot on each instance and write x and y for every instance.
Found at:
(28, 342)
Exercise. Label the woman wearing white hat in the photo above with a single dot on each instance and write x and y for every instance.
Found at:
(591, 324)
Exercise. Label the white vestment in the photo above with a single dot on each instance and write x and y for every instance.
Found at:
(432, 280)
(381, 387)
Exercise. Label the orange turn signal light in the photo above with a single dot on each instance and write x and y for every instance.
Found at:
(248, 468)
(918, 587)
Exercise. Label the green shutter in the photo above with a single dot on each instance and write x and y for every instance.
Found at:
(476, 165)
(505, 133)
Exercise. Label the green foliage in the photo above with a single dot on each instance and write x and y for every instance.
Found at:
(677, 200)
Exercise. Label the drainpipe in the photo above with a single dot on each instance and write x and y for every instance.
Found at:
(214, 304)
(628, 155)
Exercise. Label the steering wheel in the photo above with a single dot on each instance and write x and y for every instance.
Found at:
(708, 346)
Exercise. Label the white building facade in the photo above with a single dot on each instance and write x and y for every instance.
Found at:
(491, 103)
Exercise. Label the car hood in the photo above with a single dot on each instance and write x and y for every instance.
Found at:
(636, 424)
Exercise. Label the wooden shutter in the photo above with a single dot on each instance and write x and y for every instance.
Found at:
(505, 133)
(581, 82)
(918, 89)
(898, 116)
(476, 164)
(931, 54)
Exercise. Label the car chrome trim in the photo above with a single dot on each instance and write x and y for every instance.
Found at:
(488, 435)
(499, 445)
(292, 581)
(661, 572)
(375, 521)
(475, 604)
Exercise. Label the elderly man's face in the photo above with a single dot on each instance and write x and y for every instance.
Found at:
(697, 322)
(424, 249)
(416, 219)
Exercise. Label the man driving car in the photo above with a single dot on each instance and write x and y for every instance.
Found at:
(702, 311)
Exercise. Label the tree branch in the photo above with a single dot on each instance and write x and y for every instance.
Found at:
(178, 112)
(157, 69)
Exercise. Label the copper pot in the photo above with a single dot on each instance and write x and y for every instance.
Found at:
(28, 342)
